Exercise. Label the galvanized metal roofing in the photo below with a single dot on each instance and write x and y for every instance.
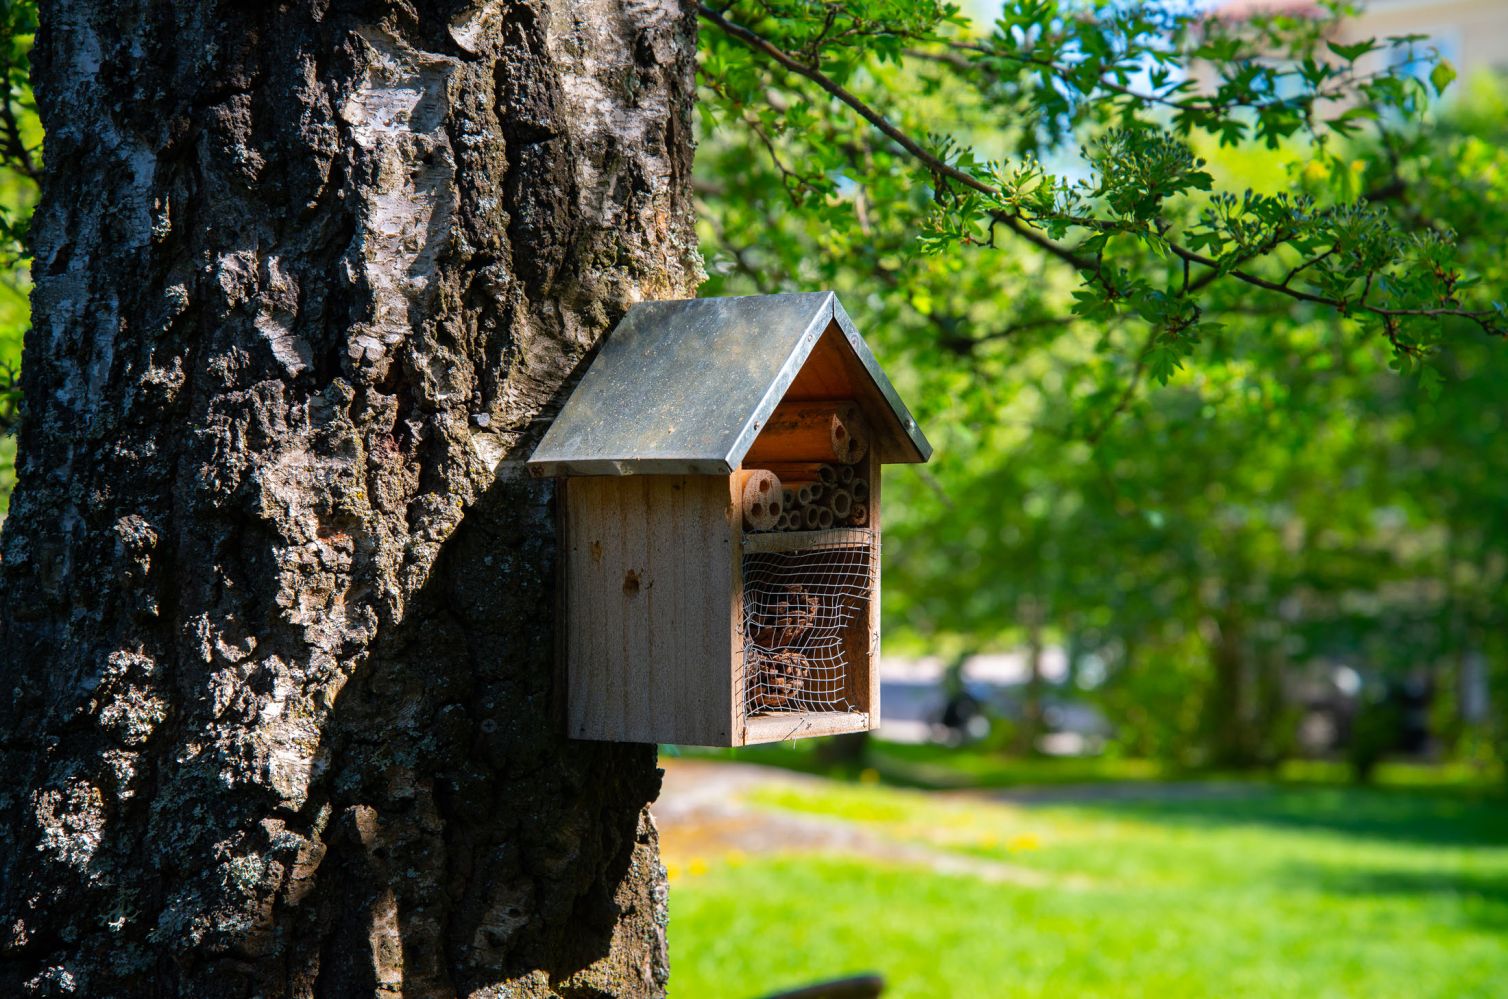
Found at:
(684, 387)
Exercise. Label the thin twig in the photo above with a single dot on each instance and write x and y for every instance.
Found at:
(1023, 227)
(1128, 393)
(15, 145)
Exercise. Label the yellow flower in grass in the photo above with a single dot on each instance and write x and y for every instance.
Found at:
(1023, 841)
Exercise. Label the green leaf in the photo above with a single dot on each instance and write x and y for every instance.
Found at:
(1351, 53)
(1162, 363)
(1432, 381)
(1442, 75)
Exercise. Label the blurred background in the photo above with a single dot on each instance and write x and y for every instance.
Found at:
(1196, 689)
(1188, 689)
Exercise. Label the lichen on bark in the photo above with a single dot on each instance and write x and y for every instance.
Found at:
(278, 597)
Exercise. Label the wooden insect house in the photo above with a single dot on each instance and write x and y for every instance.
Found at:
(720, 461)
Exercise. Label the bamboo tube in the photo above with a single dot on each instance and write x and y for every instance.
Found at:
(859, 515)
(827, 475)
(827, 431)
(807, 493)
(787, 495)
(840, 502)
(811, 517)
(860, 489)
(824, 518)
(759, 491)
(858, 441)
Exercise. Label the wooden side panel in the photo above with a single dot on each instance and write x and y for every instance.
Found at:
(861, 643)
(871, 694)
(735, 679)
(649, 603)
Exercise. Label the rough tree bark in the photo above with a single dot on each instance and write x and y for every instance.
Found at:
(276, 630)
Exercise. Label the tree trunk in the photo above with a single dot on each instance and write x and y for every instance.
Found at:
(277, 627)
(1230, 706)
(1031, 613)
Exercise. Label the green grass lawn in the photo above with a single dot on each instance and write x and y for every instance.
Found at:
(1228, 889)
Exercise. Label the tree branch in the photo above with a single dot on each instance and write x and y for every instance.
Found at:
(864, 111)
(15, 147)
(1127, 394)
(1022, 226)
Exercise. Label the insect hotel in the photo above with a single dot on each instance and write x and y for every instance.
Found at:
(721, 515)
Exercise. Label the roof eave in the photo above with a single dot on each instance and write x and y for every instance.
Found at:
(787, 374)
(902, 443)
(550, 468)
(921, 448)
(918, 449)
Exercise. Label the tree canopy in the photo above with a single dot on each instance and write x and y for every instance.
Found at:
(1155, 277)
(1203, 312)
(20, 165)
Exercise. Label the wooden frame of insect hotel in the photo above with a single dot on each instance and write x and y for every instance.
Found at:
(720, 464)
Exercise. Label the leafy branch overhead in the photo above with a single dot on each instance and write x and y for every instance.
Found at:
(1136, 90)
(20, 170)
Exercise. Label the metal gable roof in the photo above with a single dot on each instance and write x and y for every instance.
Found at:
(684, 386)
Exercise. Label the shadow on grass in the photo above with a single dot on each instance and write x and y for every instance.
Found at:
(937, 768)
(1441, 817)
(1455, 814)
(1479, 900)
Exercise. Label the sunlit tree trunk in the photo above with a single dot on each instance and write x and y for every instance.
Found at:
(277, 628)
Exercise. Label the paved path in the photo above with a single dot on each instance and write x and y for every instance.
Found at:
(703, 811)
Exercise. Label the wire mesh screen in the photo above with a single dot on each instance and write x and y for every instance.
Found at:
(798, 608)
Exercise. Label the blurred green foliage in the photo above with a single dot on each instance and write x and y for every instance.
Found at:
(1212, 478)
(20, 160)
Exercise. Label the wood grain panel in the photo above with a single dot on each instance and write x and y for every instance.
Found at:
(781, 726)
(650, 604)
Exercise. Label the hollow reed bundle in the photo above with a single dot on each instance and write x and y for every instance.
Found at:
(810, 496)
(826, 431)
(760, 493)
